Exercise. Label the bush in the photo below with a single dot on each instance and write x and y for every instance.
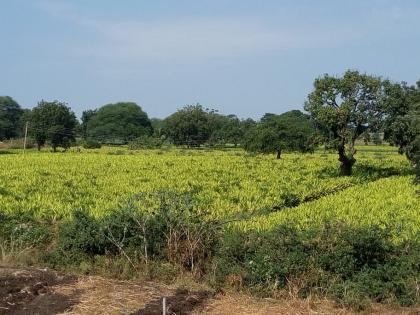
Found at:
(146, 142)
(91, 144)
(18, 143)
(20, 233)
(79, 239)
(352, 265)
(169, 230)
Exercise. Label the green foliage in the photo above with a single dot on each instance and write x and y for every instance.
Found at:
(169, 229)
(23, 231)
(53, 122)
(79, 238)
(194, 126)
(345, 108)
(376, 138)
(86, 116)
(146, 142)
(188, 126)
(157, 125)
(264, 140)
(413, 153)
(291, 131)
(91, 144)
(351, 264)
(10, 114)
(226, 129)
(117, 123)
(402, 125)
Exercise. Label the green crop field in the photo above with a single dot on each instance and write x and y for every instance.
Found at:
(261, 219)
(224, 183)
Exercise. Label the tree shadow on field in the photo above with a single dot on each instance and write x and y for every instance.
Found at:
(4, 192)
(6, 152)
(366, 172)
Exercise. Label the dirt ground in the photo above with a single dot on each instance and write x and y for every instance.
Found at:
(42, 291)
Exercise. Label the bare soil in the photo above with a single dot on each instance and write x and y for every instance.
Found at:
(31, 291)
(43, 291)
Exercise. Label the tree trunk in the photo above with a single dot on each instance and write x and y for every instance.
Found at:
(417, 170)
(38, 146)
(278, 154)
(346, 167)
(346, 162)
(54, 149)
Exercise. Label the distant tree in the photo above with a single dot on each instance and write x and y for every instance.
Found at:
(157, 125)
(246, 125)
(24, 118)
(413, 153)
(53, 122)
(189, 125)
(263, 139)
(232, 130)
(216, 122)
(291, 131)
(343, 109)
(10, 113)
(117, 123)
(402, 123)
(91, 144)
(146, 142)
(376, 138)
(86, 116)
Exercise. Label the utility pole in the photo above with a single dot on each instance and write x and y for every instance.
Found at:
(164, 306)
(26, 135)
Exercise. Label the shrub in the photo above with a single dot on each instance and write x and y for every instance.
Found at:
(169, 230)
(352, 265)
(20, 233)
(18, 143)
(145, 142)
(91, 144)
(79, 238)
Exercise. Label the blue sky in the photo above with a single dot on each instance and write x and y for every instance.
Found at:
(239, 56)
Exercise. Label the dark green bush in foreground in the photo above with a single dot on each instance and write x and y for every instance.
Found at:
(23, 230)
(354, 265)
(172, 231)
(350, 264)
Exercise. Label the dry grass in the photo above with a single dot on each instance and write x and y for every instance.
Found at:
(98, 295)
(244, 305)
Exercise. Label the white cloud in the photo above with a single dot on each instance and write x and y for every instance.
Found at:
(193, 38)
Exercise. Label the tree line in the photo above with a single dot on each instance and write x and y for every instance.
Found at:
(339, 111)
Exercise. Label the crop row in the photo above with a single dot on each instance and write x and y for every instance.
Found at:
(223, 183)
(389, 202)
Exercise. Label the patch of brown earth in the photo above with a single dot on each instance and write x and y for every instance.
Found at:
(31, 291)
